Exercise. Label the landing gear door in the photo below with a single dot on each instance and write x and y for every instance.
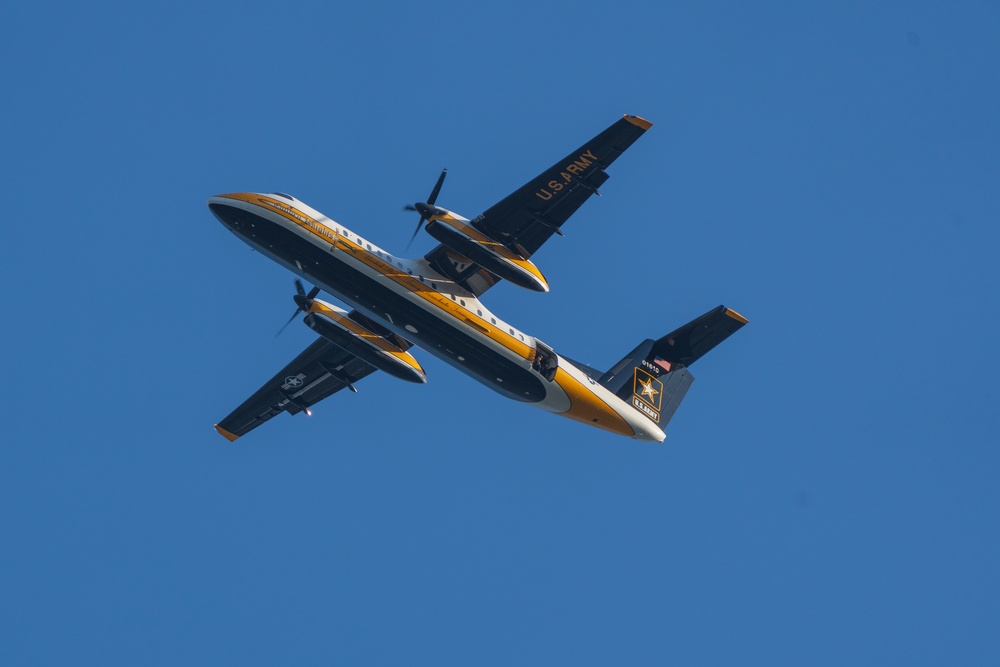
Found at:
(546, 361)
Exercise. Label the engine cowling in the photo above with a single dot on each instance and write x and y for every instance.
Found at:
(336, 326)
(457, 233)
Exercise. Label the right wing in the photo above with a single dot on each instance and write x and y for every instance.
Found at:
(525, 219)
(529, 216)
(321, 370)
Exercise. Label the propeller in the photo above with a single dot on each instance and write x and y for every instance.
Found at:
(424, 207)
(302, 300)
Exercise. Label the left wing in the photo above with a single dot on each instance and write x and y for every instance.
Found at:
(321, 370)
(526, 218)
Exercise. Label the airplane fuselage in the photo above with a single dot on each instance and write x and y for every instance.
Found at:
(411, 299)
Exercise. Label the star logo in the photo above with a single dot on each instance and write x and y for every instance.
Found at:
(647, 390)
(294, 381)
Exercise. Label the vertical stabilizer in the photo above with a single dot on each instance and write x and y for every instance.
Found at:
(654, 377)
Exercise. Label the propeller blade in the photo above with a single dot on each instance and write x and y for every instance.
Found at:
(290, 320)
(437, 187)
(430, 201)
(301, 299)
(416, 231)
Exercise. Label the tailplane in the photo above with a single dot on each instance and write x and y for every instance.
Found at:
(654, 377)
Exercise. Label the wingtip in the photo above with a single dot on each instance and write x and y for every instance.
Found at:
(638, 122)
(226, 434)
(736, 316)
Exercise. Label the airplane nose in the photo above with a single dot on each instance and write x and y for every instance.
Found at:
(225, 210)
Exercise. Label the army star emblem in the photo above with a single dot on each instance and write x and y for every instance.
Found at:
(647, 389)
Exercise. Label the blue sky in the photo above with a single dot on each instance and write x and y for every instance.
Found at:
(827, 492)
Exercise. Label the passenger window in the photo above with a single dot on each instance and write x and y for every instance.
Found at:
(462, 302)
(479, 312)
(493, 320)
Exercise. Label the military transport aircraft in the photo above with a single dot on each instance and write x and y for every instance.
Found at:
(434, 302)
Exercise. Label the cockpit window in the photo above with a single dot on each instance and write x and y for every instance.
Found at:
(282, 194)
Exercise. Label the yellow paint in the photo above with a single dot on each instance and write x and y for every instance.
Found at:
(639, 122)
(736, 316)
(494, 333)
(495, 247)
(643, 387)
(587, 407)
(370, 336)
(577, 167)
(226, 434)
(287, 211)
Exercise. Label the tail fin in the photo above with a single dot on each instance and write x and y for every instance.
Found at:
(653, 378)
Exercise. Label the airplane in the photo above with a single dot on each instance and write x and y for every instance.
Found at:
(434, 302)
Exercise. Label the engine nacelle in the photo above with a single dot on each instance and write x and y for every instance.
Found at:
(457, 233)
(333, 324)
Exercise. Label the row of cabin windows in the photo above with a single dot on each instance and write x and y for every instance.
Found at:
(493, 320)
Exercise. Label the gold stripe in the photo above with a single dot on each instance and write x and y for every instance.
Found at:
(370, 336)
(589, 408)
(494, 333)
(736, 316)
(354, 327)
(497, 247)
(639, 122)
(226, 434)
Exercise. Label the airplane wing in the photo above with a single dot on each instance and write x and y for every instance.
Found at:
(525, 219)
(321, 370)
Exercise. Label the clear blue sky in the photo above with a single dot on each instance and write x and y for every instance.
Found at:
(827, 494)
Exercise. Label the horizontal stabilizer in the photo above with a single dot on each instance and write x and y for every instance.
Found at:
(696, 338)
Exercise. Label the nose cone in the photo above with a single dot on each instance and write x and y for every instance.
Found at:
(429, 210)
(219, 201)
(416, 375)
(227, 209)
